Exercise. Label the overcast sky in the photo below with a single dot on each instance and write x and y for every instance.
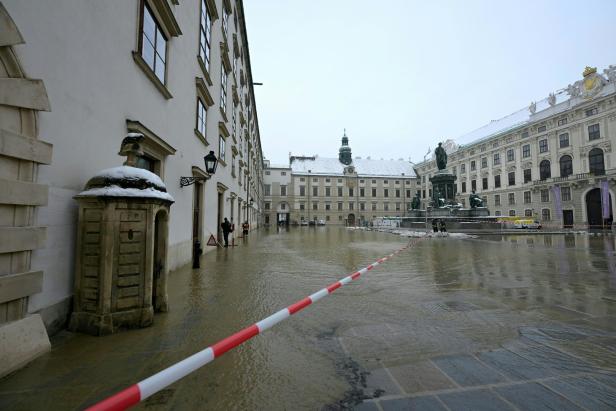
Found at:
(402, 75)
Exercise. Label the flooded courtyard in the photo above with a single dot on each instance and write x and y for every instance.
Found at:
(495, 322)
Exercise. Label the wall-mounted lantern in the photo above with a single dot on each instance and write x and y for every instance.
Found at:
(211, 162)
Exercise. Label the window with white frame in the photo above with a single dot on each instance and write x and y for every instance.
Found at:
(223, 89)
(153, 44)
(205, 35)
(201, 117)
(222, 148)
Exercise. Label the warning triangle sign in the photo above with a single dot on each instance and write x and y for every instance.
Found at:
(212, 241)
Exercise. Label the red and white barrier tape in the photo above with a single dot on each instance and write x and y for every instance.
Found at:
(151, 385)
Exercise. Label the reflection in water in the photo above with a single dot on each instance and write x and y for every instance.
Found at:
(443, 296)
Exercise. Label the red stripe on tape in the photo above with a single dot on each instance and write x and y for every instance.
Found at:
(331, 288)
(355, 275)
(370, 267)
(293, 308)
(120, 401)
(234, 340)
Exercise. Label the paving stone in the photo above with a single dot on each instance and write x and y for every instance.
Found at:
(425, 403)
(513, 366)
(533, 396)
(585, 392)
(366, 406)
(606, 379)
(548, 357)
(467, 371)
(379, 383)
(421, 376)
(475, 400)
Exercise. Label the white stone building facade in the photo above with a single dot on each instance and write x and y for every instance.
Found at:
(176, 72)
(551, 161)
(337, 191)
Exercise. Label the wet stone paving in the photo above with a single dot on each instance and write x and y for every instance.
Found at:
(524, 322)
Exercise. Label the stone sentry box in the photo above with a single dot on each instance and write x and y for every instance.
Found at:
(120, 274)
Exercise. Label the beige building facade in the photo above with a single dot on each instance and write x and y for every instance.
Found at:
(177, 73)
(551, 161)
(342, 191)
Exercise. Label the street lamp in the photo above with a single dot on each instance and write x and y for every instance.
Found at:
(211, 162)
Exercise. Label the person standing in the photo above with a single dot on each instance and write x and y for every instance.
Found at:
(245, 228)
(435, 225)
(442, 226)
(226, 229)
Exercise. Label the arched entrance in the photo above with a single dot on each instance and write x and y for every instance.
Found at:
(159, 278)
(351, 220)
(282, 214)
(594, 212)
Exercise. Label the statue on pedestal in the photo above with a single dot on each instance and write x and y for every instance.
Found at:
(441, 157)
(474, 200)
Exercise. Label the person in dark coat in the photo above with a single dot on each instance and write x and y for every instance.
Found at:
(442, 226)
(226, 229)
(435, 225)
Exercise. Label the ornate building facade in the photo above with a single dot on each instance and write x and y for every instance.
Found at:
(175, 74)
(341, 190)
(551, 161)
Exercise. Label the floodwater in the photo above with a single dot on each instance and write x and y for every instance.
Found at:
(443, 297)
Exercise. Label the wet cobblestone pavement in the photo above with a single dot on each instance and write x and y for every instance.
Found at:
(503, 323)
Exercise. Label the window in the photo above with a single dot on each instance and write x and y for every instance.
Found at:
(201, 117)
(512, 213)
(563, 140)
(463, 187)
(510, 155)
(528, 212)
(408, 193)
(545, 171)
(302, 179)
(541, 129)
(397, 206)
(385, 182)
(565, 193)
(545, 196)
(315, 206)
(328, 206)
(511, 198)
(511, 178)
(339, 206)
(496, 159)
(283, 190)
(474, 185)
(385, 192)
(497, 213)
(566, 166)
(397, 193)
(267, 189)
(397, 182)
(497, 200)
(526, 151)
(527, 197)
(267, 173)
(327, 180)
(562, 121)
(362, 192)
(316, 180)
(473, 165)
(545, 214)
(302, 206)
(593, 132)
(283, 173)
(362, 206)
(373, 181)
(267, 205)
(591, 111)
(339, 191)
(153, 44)
(302, 191)
(350, 192)
(595, 162)
(225, 21)
(374, 192)
(373, 206)
(361, 181)
(484, 162)
(462, 169)
(315, 191)
(221, 148)
(385, 206)
(497, 183)
(327, 191)
(223, 89)
(524, 134)
(350, 206)
(340, 180)
(543, 145)
(326, 218)
(205, 35)
(283, 206)
(484, 183)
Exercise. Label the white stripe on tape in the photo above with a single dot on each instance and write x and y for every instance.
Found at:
(170, 375)
(273, 319)
(318, 295)
(363, 270)
(346, 280)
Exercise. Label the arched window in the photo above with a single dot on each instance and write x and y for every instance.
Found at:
(566, 166)
(544, 170)
(595, 162)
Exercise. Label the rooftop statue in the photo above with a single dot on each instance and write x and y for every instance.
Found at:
(441, 157)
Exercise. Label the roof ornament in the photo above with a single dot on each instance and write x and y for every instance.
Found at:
(532, 108)
(610, 73)
(552, 99)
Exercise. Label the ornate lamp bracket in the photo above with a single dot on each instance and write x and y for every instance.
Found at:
(187, 181)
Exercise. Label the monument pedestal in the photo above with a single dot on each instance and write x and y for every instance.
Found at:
(443, 182)
(472, 212)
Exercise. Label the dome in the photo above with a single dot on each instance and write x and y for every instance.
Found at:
(126, 181)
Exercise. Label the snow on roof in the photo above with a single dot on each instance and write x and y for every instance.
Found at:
(131, 173)
(116, 191)
(363, 167)
(278, 166)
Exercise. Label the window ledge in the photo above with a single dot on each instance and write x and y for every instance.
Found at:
(223, 162)
(151, 76)
(204, 70)
(201, 137)
(224, 116)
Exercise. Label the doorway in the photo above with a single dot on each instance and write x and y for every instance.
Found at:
(593, 210)
(220, 216)
(159, 275)
(351, 220)
(197, 242)
(567, 218)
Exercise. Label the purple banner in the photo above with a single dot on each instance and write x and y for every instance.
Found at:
(558, 205)
(605, 199)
